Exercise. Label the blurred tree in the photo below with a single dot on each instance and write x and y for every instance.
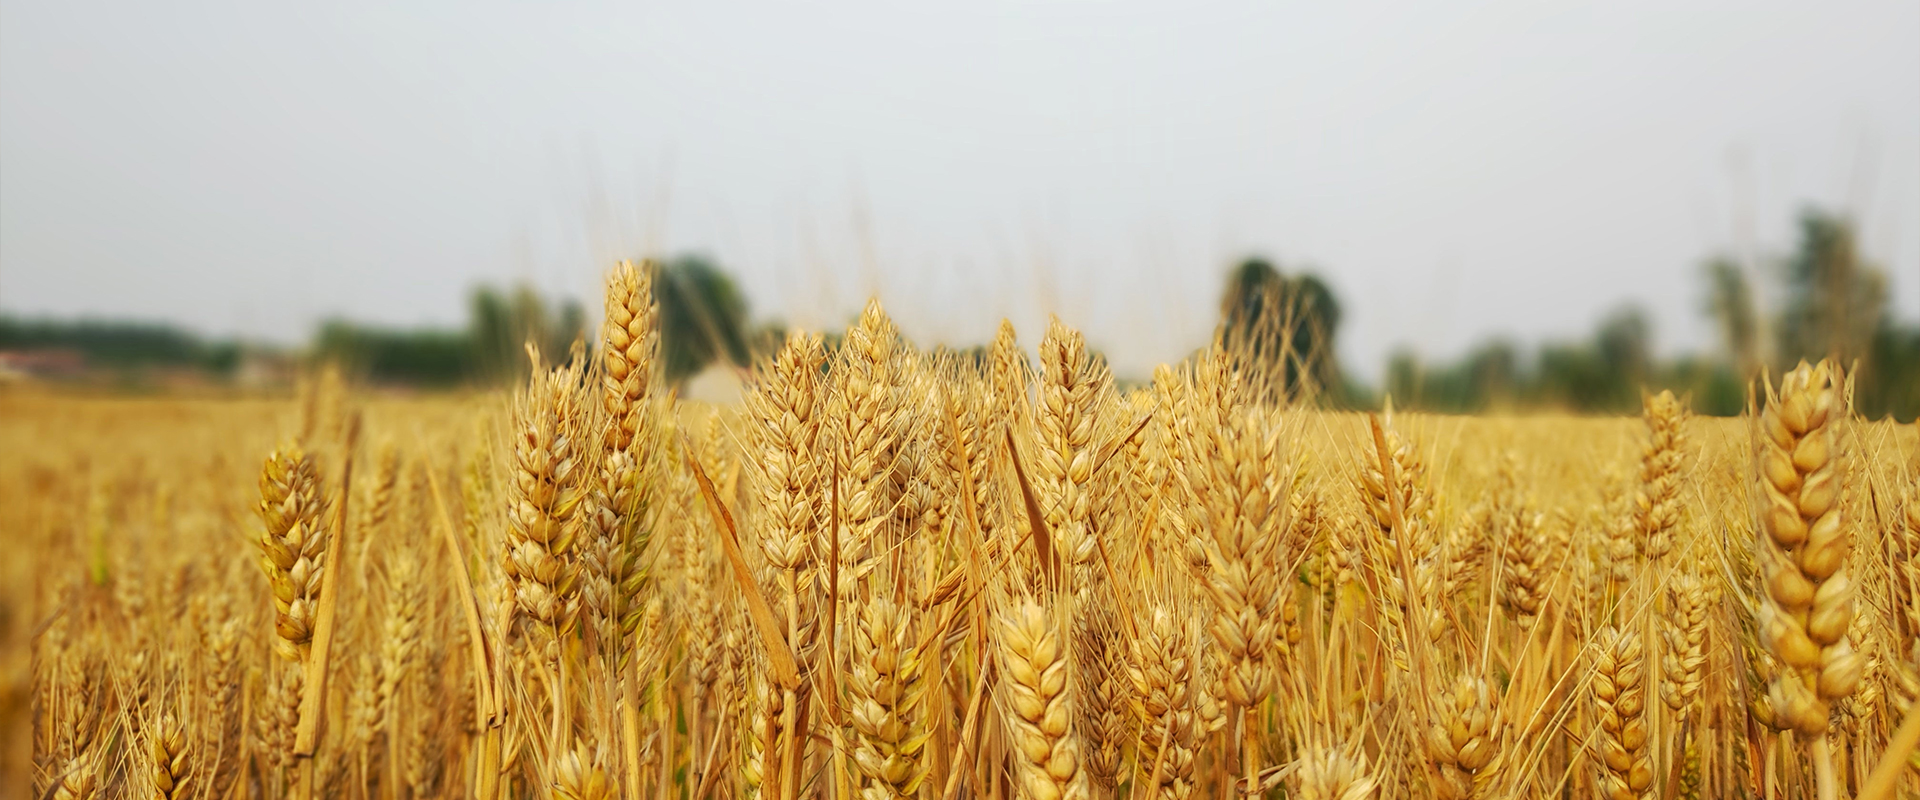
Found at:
(500, 326)
(1710, 383)
(1283, 328)
(1488, 377)
(1836, 304)
(1570, 377)
(491, 334)
(1834, 301)
(1404, 378)
(121, 345)
(1493, 375)
(703, 317)
(1730, 301)
(1890, 381)
(1625, 346)
(424, 357)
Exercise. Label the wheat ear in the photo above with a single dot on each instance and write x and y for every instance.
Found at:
(1657, 503)
(1071, 385)
(1465, 738)
(1685, 629)
(543, 501)
(580, 774)
(292, 546)
(1807, 604)
(867, 417)
(1038, 697)
(1619, 702)
(1524, 585)
(1328, 773)
(168, 752)
(630, 438)
(886, 688)
(1160, 670)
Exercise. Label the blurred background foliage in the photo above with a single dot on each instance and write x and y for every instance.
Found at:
(1830, 302)
(1280, 320)
(118, 344)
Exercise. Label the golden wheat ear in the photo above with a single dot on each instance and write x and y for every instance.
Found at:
(1038, 697)
(1807, 602)
(1619, 704)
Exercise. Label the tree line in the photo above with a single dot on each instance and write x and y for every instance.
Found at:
(1831, 302)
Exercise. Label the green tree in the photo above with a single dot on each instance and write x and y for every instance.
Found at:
(1625, 346)
(703, 317)
(1282, 328)
(1836, 304)
(500, 326)
(424, 357)
(1730, 302)
(1403, 377)
(1835, 301)
(121, 344)
(1890, 383)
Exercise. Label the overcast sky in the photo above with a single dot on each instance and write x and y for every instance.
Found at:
(1455, 170)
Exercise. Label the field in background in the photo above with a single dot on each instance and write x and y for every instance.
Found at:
(539, 598)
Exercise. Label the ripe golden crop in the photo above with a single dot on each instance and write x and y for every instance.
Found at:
(894, 573)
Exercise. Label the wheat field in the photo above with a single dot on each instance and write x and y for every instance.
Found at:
(895, 573)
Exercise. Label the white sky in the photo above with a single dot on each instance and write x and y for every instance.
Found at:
(1455, 170)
